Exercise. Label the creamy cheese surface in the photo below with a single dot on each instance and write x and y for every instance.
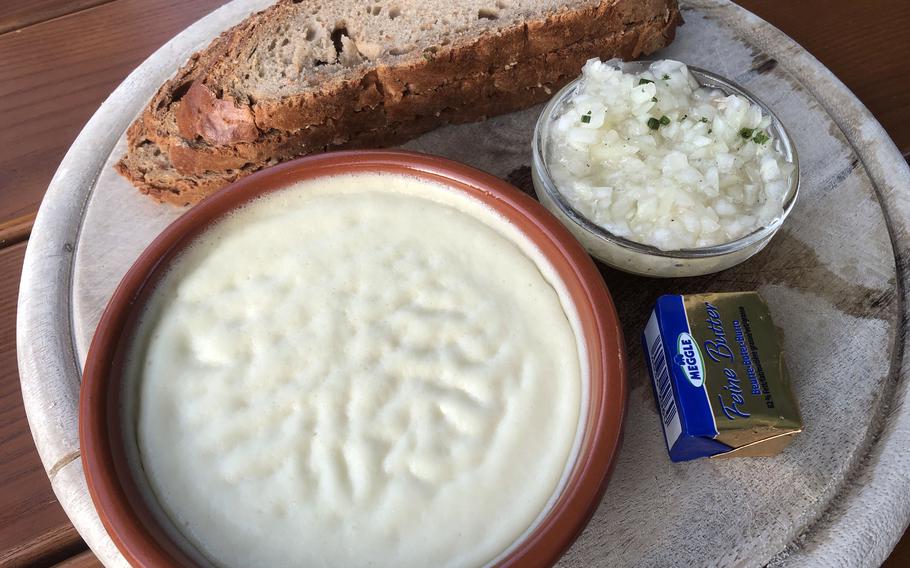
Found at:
(364, 370)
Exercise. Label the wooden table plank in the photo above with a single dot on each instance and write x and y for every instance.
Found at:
(84, 560)
(866, 44)
(16, 230)
(33, 527)
(51, 84)
(17, 14)
(900, 556)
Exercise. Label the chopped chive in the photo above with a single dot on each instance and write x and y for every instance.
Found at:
(653, 123)
(666, 77)
(703, 119)
(761, 138)
(683, 117)
(710, 130)
(664, 120)
(586, 118)
(746, 132)
(653, 99)
(644, 81)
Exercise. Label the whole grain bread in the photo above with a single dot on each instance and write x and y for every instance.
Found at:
(307, 76)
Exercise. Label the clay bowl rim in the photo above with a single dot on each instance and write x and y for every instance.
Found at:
(129, 522)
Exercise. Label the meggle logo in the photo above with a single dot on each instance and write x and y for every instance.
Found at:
(688, 357)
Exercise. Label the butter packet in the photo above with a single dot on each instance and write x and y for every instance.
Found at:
(719, 377)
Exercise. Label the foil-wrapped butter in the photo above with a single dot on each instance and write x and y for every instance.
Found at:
(719, 377)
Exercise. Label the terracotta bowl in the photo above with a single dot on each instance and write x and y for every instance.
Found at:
(130, 518)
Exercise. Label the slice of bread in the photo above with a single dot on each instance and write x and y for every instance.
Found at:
(148, 167)
(306, 76)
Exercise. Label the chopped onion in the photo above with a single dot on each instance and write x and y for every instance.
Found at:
(656, 158)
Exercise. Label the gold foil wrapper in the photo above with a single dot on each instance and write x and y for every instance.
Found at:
(745, 375)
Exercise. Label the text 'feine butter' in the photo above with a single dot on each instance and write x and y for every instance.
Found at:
(719, 376)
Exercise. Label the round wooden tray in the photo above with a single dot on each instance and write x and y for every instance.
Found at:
(834, 277)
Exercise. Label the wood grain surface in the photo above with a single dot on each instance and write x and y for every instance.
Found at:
(864, 42)
(16, 229)
(900, 556)
(53, 76)
(83, 560)
(17, 14)
(33, 528)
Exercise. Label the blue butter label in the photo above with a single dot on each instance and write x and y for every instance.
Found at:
(688, 358)
(677, 371)
(664, 392)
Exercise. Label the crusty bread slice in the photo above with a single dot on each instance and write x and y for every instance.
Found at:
(148, 167)
(306, 76)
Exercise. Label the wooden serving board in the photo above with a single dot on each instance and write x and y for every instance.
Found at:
(834, 277)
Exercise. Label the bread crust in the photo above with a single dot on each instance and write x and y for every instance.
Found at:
(389, 87)
(210, 136)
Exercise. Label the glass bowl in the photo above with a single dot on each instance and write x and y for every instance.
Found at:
(635, 257)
